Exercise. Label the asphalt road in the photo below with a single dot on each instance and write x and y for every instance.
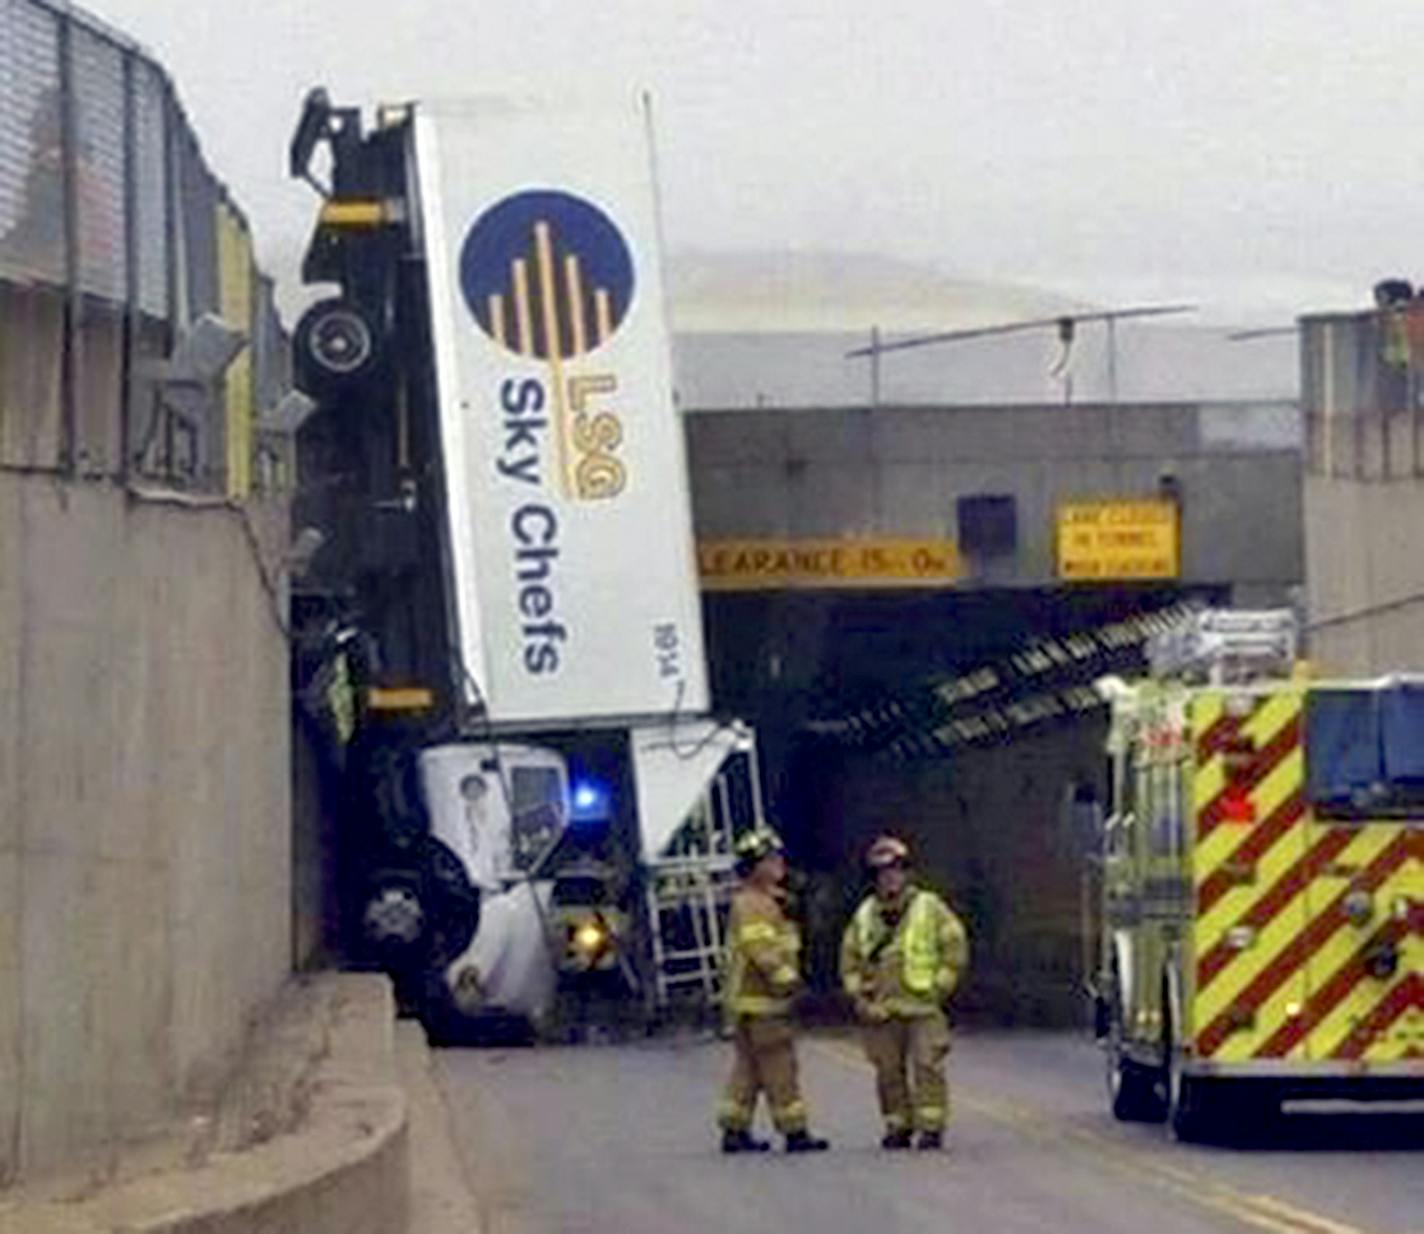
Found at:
(618, 1140)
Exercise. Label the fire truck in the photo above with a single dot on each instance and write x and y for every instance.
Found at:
(1262, 881)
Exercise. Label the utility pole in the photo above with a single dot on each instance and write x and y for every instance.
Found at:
(874, 367)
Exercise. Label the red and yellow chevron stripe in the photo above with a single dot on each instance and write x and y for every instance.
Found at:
(1282, 971)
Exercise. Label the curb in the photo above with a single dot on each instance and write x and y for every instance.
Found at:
(442, 1199)
(344, 1170)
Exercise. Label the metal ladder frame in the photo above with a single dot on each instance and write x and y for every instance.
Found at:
(694, 880)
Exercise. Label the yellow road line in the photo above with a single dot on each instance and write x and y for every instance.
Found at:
(1303, 1218)
(1263, 1212)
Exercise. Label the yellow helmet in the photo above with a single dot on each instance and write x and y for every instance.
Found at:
(751, 846)
(887, 851)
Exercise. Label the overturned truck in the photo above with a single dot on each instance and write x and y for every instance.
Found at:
(499, 638)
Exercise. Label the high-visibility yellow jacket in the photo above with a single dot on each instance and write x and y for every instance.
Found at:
(763, 956)
(910, 968)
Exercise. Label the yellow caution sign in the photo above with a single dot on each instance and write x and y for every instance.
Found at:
(1116, 541)
(773, 565)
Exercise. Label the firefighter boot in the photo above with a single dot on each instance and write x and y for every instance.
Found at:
(930, 1141)
(894, 1141)
(743, 1142)
(805, 1142)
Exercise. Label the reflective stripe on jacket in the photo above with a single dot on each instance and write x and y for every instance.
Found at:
(763, 956)
(911, 970)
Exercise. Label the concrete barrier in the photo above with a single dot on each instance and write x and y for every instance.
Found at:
(312, 1139)
(442, 1196)
(145, 811)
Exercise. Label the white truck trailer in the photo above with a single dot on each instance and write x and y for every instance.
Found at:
(501, 636)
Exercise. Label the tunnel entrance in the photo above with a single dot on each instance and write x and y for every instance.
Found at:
(967, 724)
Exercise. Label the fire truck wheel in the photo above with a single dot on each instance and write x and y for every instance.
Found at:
(1133, 1090)
(1190, 1102)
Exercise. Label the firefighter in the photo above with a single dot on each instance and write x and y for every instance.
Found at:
(901, 958)
(763, 976)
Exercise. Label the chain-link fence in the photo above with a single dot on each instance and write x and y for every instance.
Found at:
(137, 338)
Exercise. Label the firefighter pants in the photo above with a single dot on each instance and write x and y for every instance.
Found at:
(765, 1062)
(906, 1048)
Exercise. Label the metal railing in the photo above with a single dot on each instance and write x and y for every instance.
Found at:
(122, 258)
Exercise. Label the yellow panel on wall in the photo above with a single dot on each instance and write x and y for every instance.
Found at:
(235, 299)
(764, 565)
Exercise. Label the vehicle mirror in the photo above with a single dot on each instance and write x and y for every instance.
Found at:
(1086, 814)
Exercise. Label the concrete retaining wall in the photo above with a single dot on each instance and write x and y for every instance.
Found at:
(313, 1137)
(144, 813)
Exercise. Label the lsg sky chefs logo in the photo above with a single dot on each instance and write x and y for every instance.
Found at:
(549, 279)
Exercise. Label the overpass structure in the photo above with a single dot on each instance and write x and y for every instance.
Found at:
(912, 604)
(874, 546)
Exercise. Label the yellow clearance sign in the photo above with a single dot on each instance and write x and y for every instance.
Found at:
(1115, 541)
(766, 565)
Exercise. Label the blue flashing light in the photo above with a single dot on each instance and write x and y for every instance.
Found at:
(589, 800)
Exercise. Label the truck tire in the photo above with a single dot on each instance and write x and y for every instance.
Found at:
(453, 902)
(1193, 1103)
(337, 345)
(392, 914)
(1134, 1091)
(420, 915)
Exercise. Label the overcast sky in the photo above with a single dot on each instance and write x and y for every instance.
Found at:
(1261, 155)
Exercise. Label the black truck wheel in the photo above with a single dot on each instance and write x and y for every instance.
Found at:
(337, 345)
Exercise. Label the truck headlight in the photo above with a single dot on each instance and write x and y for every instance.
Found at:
(468, 988)
(590, 937)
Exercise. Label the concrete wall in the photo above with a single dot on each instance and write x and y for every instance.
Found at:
(1364, 491)
(316, 941)
(144, 812)
(991, 829)
(1366, 574)
(989, 822)
(899, 471)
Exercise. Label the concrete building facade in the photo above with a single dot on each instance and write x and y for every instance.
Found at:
(1362, 396)
(906, 472)
(853, 675)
